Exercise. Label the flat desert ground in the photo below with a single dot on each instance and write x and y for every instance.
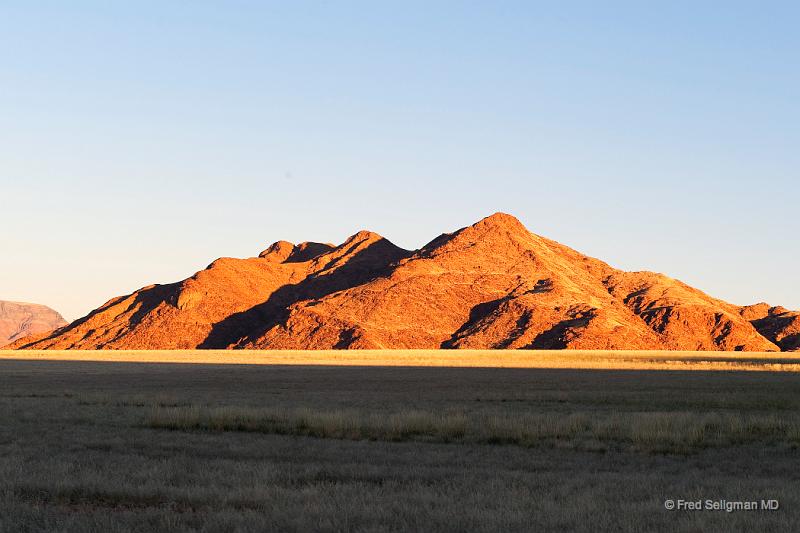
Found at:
(397, 441)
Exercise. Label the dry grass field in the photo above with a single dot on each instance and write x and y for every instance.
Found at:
(400, 441)
(575, 359)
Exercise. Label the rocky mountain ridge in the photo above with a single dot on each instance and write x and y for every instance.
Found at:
(19, 320)
(490, 285)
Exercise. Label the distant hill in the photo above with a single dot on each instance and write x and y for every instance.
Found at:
(490, 285)
(18, 320)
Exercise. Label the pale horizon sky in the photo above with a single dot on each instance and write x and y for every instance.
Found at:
(140, 142)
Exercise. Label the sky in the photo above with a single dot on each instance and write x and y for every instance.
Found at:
(141, 140)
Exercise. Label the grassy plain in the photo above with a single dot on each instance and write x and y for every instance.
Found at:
(396, 441)
(576, 359)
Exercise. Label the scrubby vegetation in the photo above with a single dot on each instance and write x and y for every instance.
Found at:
(159, 447)
(655, 432)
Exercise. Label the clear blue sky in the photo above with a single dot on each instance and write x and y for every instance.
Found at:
(141, 140)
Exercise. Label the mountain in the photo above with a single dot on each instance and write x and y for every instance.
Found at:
(490, 285)
(18, 320)
(777, 324)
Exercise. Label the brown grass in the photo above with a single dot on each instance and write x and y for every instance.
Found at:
(124, 447)
(568, 359)
(659, 432)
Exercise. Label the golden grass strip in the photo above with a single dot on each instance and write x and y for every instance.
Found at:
(564, 359)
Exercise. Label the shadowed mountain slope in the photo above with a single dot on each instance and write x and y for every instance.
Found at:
(490, 285)
(777, 324)
(19, 320)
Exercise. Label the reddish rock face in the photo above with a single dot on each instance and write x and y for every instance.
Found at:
(777, 324)
(490, 285)
(18, 320)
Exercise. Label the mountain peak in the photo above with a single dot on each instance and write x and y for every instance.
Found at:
(494, 232)
(306, 251)
(286, 252)
(498, 224)
(362, 236)
(501, 220)
(278, 251)
(362, 246)
(755, 311)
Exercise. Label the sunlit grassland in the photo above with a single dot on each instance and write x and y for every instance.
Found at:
(577, 359)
